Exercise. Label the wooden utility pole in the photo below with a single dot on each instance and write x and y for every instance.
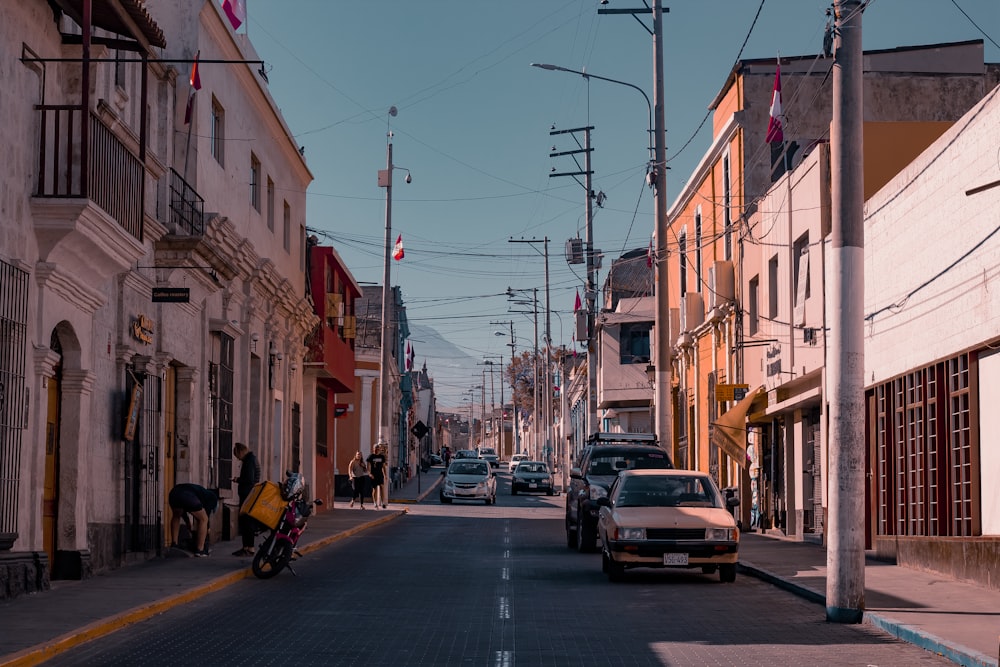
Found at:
(845, 582)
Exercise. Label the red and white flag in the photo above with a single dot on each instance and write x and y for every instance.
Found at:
(578, 305)
(774, 133)
(649, 254)
(397, 252)
(195, 81)
(236, 11)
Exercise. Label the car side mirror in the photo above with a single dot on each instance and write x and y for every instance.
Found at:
(604, 501)
(575, 473)
(733, 501)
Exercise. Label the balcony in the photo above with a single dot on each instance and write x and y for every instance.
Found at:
(100, 169)
(331, 358)
(187, 208)
(89, 197)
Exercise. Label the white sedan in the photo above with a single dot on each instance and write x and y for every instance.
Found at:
(469, 479)
(667, 519)
(515, 459)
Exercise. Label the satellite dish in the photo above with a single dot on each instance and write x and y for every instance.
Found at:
(393, 111)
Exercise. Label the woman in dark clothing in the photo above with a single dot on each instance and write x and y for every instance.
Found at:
(249, 475)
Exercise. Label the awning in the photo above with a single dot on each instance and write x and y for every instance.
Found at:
(729, 431)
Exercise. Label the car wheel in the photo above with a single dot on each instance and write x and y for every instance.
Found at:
(727, 573)
(616, 571)
(513, 491)
(604, 562)
(570, 535)
(550, 492)
(584, 536)
(445, 500)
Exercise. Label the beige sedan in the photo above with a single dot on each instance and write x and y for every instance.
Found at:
(667, 519)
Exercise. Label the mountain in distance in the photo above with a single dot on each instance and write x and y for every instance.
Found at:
(452, 370)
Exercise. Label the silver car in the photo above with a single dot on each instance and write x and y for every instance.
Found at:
(469, 479)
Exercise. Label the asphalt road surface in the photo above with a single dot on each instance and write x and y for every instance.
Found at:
(492, 586)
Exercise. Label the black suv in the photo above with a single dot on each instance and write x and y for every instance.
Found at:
(605, 455)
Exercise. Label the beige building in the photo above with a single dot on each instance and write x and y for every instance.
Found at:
(153, 277)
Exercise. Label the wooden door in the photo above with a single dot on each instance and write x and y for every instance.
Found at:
(50, 495)
(169, 444)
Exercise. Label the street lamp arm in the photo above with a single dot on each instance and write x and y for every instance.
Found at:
(587, 75)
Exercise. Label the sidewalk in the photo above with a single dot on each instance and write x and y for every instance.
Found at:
(956, 620)
(34, 628)
(959, 621)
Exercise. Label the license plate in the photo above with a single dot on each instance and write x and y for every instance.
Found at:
(675, 559)
(532, 485)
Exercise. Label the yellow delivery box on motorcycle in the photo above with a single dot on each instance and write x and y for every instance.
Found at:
(265, 504)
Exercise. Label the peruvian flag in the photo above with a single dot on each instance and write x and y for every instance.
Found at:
(195, 87)
(409, 356)
(774, 133)
(649, 254)
(579, 304)
(397, 252)
(236, 11)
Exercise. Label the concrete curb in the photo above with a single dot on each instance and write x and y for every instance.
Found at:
(40, 653)
(957, 653)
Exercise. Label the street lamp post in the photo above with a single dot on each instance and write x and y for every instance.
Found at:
(591, 278)
(385, 181)
(513, 404)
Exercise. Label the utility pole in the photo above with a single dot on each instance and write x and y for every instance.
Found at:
(546, 398)
(591, 291)
(845, 583)
(513, 354)
(662, 393)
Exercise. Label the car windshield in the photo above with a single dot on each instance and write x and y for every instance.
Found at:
(484, 452)
(612, 464)
(531, 467)
(468, 468)
(674, 491)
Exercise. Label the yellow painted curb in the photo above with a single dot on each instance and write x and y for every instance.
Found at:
(37, 655)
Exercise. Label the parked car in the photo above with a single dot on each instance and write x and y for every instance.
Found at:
(531, 477)
(590, 479)
(466, 454)
(515, 459)
(668, 519)
(469, 479)
(489, 454)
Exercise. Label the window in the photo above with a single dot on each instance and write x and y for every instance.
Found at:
(220, 382)
(218, 129)
(255, 182)
(727, 206)
(288, 227)
(634, 343)
(682, 252)
(322, 448)
(697, 251)
(303, 248)
(926, 446)
(800, 263)
(772, 288)
(752, 297)
(270, 204)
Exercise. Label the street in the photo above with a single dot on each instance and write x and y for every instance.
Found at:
(468, 584)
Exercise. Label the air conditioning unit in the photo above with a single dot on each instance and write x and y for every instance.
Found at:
(574, 251)
(721, 284)
(692, 311)
(582, 335)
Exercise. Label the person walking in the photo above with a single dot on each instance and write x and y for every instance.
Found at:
(197, 502)
(358, 472)
(249, 475)
(376, 468)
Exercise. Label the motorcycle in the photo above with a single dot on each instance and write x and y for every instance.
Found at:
(278, 549)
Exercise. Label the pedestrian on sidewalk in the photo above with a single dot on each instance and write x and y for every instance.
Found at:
(376, 468)
(196, 502)
(249, 475)
(358, 472)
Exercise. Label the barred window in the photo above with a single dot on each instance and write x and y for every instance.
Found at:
(924, 485)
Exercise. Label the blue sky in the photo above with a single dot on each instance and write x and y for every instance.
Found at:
(473, 129)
